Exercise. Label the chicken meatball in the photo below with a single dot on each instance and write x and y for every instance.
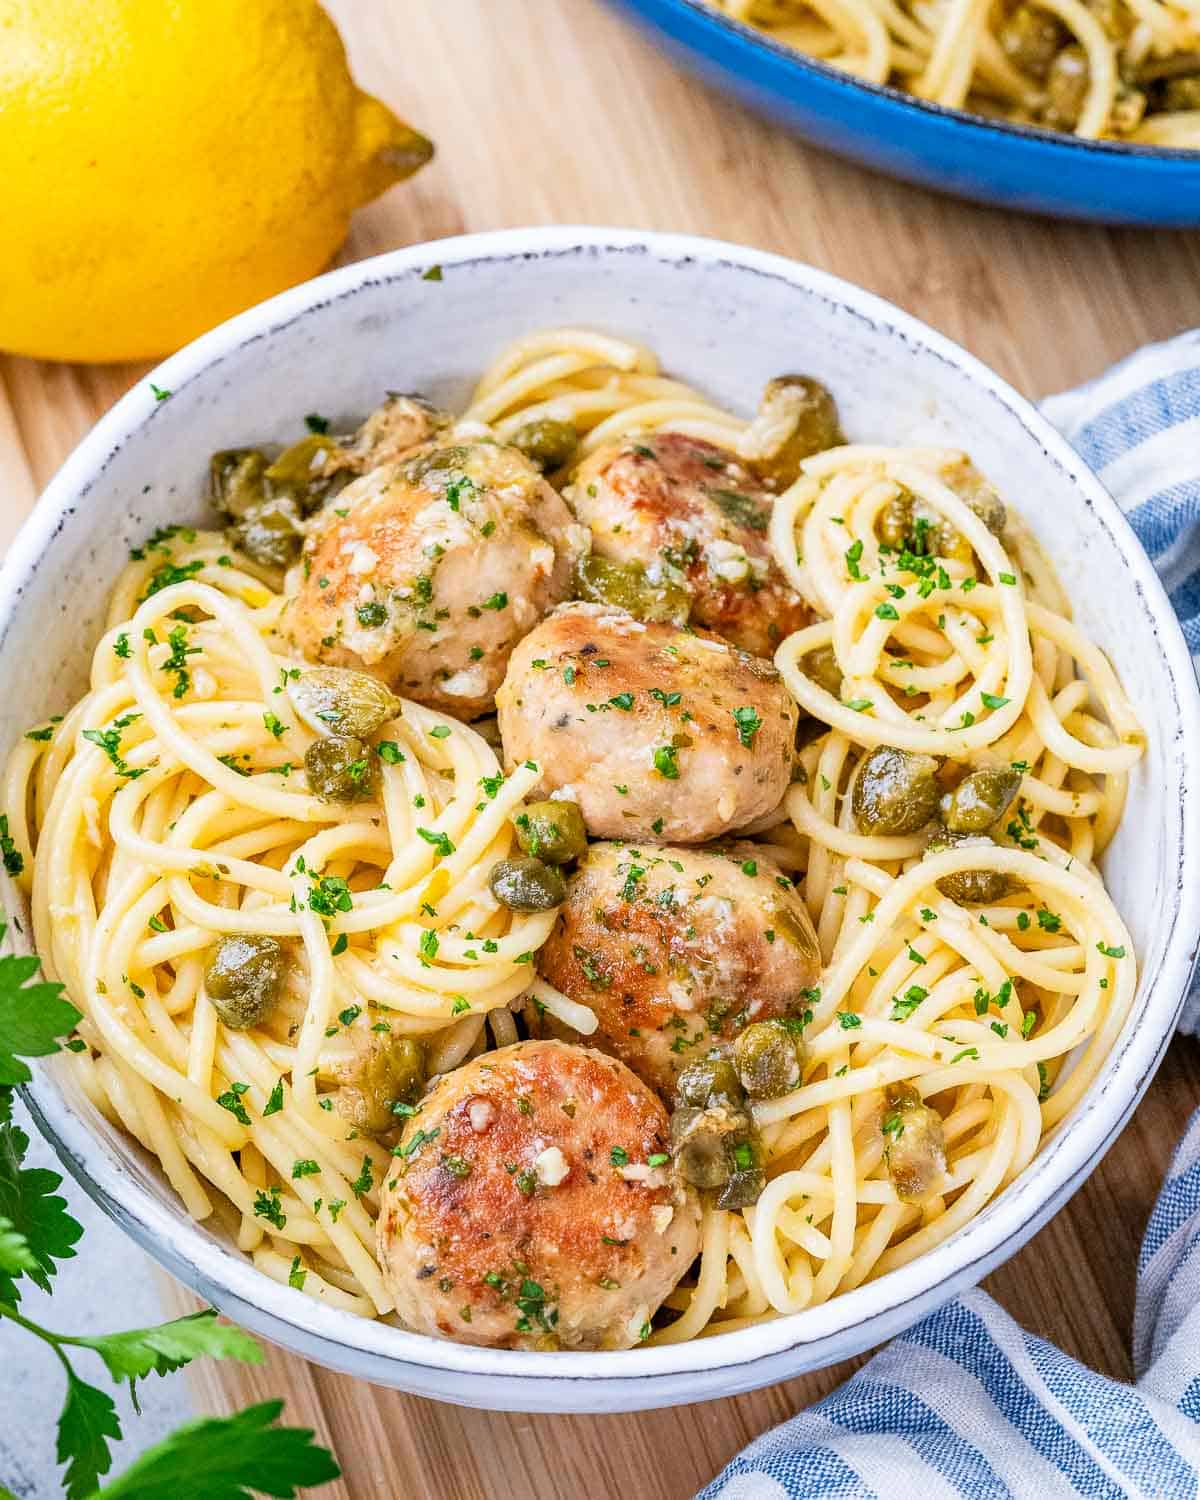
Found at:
(689, 511)
(533, 1204)
(428, 571)
(676, 950)
(657, 733)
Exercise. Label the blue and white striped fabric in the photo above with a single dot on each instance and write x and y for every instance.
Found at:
(967, 1404)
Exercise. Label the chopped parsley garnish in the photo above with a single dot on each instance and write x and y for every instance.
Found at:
(666, 762)
(267, 1206)
(232, 1101)
(371, 614)
(748, 724)
(440, 841)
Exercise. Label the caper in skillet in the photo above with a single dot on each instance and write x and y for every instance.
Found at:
(747, 1179)
(895, 792)
(914, 1143)
(980, 799)
(797, 417)
(527, 885)
(551, 831)
(335, 700)
(768, 1057)
(547, 444)
(1031, 37)
(627, 586)
(971, 887)
(699, 1141)
(244, 978)
(341, 768)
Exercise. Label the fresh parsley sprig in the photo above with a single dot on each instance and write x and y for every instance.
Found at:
(213, 1459)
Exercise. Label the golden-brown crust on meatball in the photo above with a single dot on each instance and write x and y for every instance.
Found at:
(677, 949)
(668, 500)
(526, 1215)
(657, 732)
(427, 572)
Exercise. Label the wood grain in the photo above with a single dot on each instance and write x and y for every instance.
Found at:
(554, 111)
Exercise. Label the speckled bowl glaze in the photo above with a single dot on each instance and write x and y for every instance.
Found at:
(727, 319)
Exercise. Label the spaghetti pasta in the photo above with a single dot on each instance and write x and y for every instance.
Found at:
(169, 808)
(1129, 70)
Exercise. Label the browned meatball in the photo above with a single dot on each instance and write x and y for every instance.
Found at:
(657, 732)
(428, 571)
(533, 1205)
(677, 949)
(685, 507)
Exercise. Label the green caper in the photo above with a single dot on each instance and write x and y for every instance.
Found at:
(551, 831)
(797, 417)
(821, 665)
(1031, 37)
(768, 1057)
(627, 586)
(743, 1188)
(914, 1143)
(980, 494)
(971, 887)
(709, 1081)
(981, 799)
(236, 480)
(1182, 93)
(342, 701)
(895, 792)
(383, 1071)
(341, 768)
(244, 977)
(299, 471)
(699, 1148)
(269, 532)
(547, 444)
(1066, 88)
(527, 885)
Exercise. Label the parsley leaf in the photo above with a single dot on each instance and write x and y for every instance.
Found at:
(137, 1352)
(32, 1016)
(87, 1422)
(228, 1458)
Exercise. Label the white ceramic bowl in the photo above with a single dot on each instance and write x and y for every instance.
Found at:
(727, 319)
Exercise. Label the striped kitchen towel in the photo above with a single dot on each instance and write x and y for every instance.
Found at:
(967, 1404)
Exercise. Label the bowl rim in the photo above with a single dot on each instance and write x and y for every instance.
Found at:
(197, 1257)
(703, 15)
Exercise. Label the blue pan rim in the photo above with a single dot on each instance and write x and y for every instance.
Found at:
(716, 23)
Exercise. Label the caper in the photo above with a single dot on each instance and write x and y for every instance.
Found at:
(971, 887)
(244, 977)
(269, 532)
(768, 1057)
(341, 768)
(384, 1070)
(700, 1148)
(300, 469)
(914, 1143)
(743, 1188)
(527, 885)
(1031, 37)
(236, 480)
(821, 665)
(895, 792)
(337, 700)
(981, 799)
(908, 524)
(627, 586)
(546, 444)
(551, 831)
(1182, 93)
(797, 417)
(980, 494)
(1066, 88)
(709, 1081)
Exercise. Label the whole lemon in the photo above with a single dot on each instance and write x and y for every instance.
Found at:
(166, 163)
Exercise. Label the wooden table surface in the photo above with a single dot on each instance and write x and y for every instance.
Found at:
(552, 111)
